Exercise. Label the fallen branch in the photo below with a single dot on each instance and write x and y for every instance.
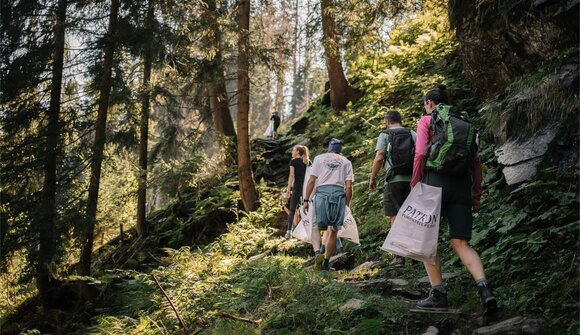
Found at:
(239, 318)
(171, 303)
(157, 259)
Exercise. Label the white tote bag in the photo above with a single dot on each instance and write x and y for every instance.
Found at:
(349, 229)
(303, 230)
(415, 231)
(269, 131)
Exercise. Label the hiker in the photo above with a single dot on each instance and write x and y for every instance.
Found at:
(461, 191)
(395, 148)
(298, 165)
(334, 177)
(276, 118)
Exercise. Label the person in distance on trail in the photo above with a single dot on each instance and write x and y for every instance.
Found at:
(294, 189)
(276, 118)
(334, 177)
(395, 148)
(460, 181)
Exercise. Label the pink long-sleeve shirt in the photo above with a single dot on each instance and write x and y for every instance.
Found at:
(419, 163)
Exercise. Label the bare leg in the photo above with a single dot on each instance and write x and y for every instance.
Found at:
(434, 272)
(330, 243)
(469, 257)
(315, 239)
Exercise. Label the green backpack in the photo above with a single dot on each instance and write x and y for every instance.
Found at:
(452, 146)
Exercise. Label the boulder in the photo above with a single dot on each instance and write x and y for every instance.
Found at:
(352, 304)
(521, 158)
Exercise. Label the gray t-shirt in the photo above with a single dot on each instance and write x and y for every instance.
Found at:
(332, 169)
(382, 144)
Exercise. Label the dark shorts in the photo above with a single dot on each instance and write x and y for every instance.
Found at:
(276, 125)
(394, 194)
(456, 203)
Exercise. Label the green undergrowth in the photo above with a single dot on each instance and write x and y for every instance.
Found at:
(249, 280)
(214, 285)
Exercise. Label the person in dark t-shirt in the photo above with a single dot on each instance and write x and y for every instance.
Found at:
(276, 118)
(298, 166)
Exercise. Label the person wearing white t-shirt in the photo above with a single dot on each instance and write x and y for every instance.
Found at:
(333, 175)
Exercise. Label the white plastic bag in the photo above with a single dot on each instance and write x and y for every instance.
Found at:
(269, 131)
(415, 231)
(349, 229)
(307, 175)
(303, 230)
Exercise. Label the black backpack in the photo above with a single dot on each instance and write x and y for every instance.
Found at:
(402, 150)
(452, 147)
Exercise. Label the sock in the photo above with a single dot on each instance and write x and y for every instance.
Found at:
(440, 288)
(482, 282)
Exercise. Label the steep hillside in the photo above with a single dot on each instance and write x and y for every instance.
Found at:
(249, 280)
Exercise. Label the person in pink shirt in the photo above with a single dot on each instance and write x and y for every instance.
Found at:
(460, 195)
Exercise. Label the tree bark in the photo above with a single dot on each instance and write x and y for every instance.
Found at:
(341, 93)
(295, 66)
(304, 102)
(87, 234)
(144, 126)
(279, 98)
(46, 225)
(245, 175)
(219, 102)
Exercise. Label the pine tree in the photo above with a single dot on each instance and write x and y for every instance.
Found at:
(341, 93)
(87, 235)
(245, 175)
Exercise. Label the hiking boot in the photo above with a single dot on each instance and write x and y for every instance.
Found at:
(398, 262)
(288, 234)
(325, 266)
(318, 260)
(437, 301)
(487, 299)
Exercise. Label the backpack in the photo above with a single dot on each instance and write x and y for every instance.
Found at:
(402, 150)
(452, 146)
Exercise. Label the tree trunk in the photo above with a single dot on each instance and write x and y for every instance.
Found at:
(245, 175)
(87, 234)
(219, 102)
(279, 98)
(144, 131)
(44, 280)
(341, 93)
(305, 99)
(295, 67)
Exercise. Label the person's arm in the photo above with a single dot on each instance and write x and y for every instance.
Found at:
(348, 191)
(420, 149)
(309, 188)
(477, 177)
(377, 164)
(290, 181)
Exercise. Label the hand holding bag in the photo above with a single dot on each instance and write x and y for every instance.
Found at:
(415, 231)
(303, 230)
